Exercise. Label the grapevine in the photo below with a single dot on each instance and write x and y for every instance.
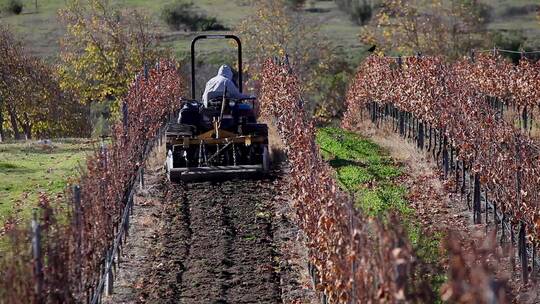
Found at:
(341, 239)
(441, 95)
(76, 240)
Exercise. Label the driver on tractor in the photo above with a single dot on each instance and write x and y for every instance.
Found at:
(221, 83)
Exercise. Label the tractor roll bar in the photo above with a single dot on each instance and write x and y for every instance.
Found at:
(238, 43)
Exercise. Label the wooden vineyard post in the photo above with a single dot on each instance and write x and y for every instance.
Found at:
(445, 157)
(78, 231)
(371, 112)
(126, 219)
(157, 140)
(395, 119)
(409, 124)
(421, 136)
(402, 123)
(476, 200)
(533, 258)
(439, 149)
(464, 172)
(37, 259)
(486, 205)
(495, 220)
(125, 117)
(522, 252)
(141, 179)
(524, 118)
(502, 227)
(434, 143)
(451, 156)
(109, 279)
(430, 135)
(353, 261)
(457, 176)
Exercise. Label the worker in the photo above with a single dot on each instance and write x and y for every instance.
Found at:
(216, 86)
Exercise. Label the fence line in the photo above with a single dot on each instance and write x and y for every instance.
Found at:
(465, 130)
(76, 248)
(448, 164)
(112, 258)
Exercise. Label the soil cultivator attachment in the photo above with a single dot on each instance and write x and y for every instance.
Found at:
(219, 140)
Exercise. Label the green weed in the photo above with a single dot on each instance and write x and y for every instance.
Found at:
(366, 170)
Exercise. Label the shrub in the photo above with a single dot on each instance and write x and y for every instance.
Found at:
(510, 40)
(183, 15)
(484, 11)
(14, 6)
(361, 13)
(100, 118)
(178, 14)
(520, 10)
(210, 24)
(296, 4)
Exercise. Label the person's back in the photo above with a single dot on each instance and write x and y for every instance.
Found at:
(221, 83)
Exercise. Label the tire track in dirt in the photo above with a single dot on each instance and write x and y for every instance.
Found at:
(231, 257)
(205, 272)
(252, 251)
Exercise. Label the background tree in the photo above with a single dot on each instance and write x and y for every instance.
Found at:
(103, 49)
(31, 99)
(274, 29)
(427, 26)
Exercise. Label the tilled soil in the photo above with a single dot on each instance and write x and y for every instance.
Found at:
(227, 242)
(223, 244)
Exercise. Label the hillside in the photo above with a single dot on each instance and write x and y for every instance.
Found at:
(516, 15)
(347, 178)
(42, 29)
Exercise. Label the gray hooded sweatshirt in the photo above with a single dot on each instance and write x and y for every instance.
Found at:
(216, 86)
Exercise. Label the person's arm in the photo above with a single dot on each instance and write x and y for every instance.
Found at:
(205, 95)
(233, 92)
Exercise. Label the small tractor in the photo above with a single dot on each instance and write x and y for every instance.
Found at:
(221, 140)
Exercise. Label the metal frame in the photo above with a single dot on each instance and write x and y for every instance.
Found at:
(200, 37)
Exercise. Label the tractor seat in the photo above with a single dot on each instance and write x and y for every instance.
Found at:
(215, 103)
(179, 130)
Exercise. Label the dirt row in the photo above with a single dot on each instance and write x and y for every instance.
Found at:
(228, 242)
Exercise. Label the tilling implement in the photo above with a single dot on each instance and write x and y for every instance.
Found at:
(219, 140)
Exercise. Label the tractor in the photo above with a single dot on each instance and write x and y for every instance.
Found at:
(221, 140)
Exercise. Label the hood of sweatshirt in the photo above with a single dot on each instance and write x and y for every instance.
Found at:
(226, 72)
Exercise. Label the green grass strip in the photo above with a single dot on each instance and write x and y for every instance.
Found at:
(367, 170)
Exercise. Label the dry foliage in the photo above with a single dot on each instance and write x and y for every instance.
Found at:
(359, 259)
(492, 75)
(444, 96)
(451, 98)
(75, 240)
(31, 100)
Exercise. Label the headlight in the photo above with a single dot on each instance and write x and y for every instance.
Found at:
(232, 103)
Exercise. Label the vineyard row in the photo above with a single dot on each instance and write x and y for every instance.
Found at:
(358, 259)
(452, 103)
(76, 243)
